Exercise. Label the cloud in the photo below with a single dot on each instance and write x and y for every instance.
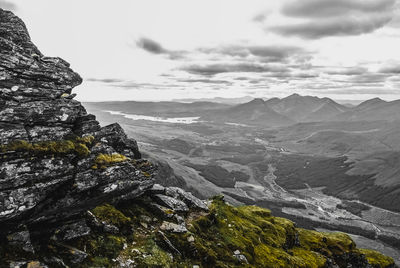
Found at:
(206, 81)
(154, 47)
(323, 18)
(245, 67)
(360, 91)
(368, 78)
(259, 18)
(392, 68)
(334, 8)
(264, 53)
(151, 46)
(105, 80)
(4, 4)
(345, 70)
(346, 26)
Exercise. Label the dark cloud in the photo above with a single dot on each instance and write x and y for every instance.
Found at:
(345, 70)
(151, 46)
(139, 85)
(390, 69)
(206, 81)
(361, 91)
(217, 68)
(334, 8)
(368, 78)
(4, 4)
(105, 80)
(264, 53)
(260, 18)
(324, 18)
(154, 47)
(344, 26)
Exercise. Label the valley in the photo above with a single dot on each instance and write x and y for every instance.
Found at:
(327, 174)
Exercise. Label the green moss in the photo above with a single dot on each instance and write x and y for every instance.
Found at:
(264, 240)
(75, 146)
(376, 259)
(88, 139)
(101, 249)
(213, 237)
(111, 215)
(106, 160)
(100, 262)
(148, 254)
(327, 243)
(146, 174)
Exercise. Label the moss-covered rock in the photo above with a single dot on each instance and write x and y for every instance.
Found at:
(106, 160)
(111, 215)
(219, 237)
(377, 259)
(78, 146)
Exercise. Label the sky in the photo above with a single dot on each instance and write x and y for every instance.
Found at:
(177, 49)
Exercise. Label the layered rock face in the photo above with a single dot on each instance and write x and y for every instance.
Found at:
(55, 159)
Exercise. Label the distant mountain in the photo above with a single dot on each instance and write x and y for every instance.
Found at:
(372, 110)
(368, 104)
(273, 112)
(256, 112)
(306, 108)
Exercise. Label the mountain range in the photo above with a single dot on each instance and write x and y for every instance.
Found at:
(296, 108)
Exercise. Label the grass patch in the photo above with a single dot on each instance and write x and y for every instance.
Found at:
(78, 146)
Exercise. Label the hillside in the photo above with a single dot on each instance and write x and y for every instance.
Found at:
(306, 108)
(372, 110)
(255, 112)
(74, 194)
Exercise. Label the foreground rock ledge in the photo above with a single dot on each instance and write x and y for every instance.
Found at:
(73, 194)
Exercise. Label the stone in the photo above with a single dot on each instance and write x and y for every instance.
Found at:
(240, 257)
(21, 241)
(190, 200)
(156, 189)
(73, 230)
(170, 202)
(173, 227)
(161, 211)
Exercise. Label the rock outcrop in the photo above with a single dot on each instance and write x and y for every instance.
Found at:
(74, 194)
(56, 162)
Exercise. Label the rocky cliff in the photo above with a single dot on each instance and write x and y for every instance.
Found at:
(74, 194)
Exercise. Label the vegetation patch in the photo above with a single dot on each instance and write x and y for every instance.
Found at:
(106, 160)
(227, 236)
(111, 215)
(376, 259)
(78, 146)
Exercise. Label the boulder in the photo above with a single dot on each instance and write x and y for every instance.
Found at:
(190, 200)
(170, 202)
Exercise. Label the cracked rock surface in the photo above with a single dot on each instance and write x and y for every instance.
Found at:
(49, 145)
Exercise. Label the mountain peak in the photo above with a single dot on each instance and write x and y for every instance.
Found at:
(257, 101)
(371, 102)
(294, 96)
